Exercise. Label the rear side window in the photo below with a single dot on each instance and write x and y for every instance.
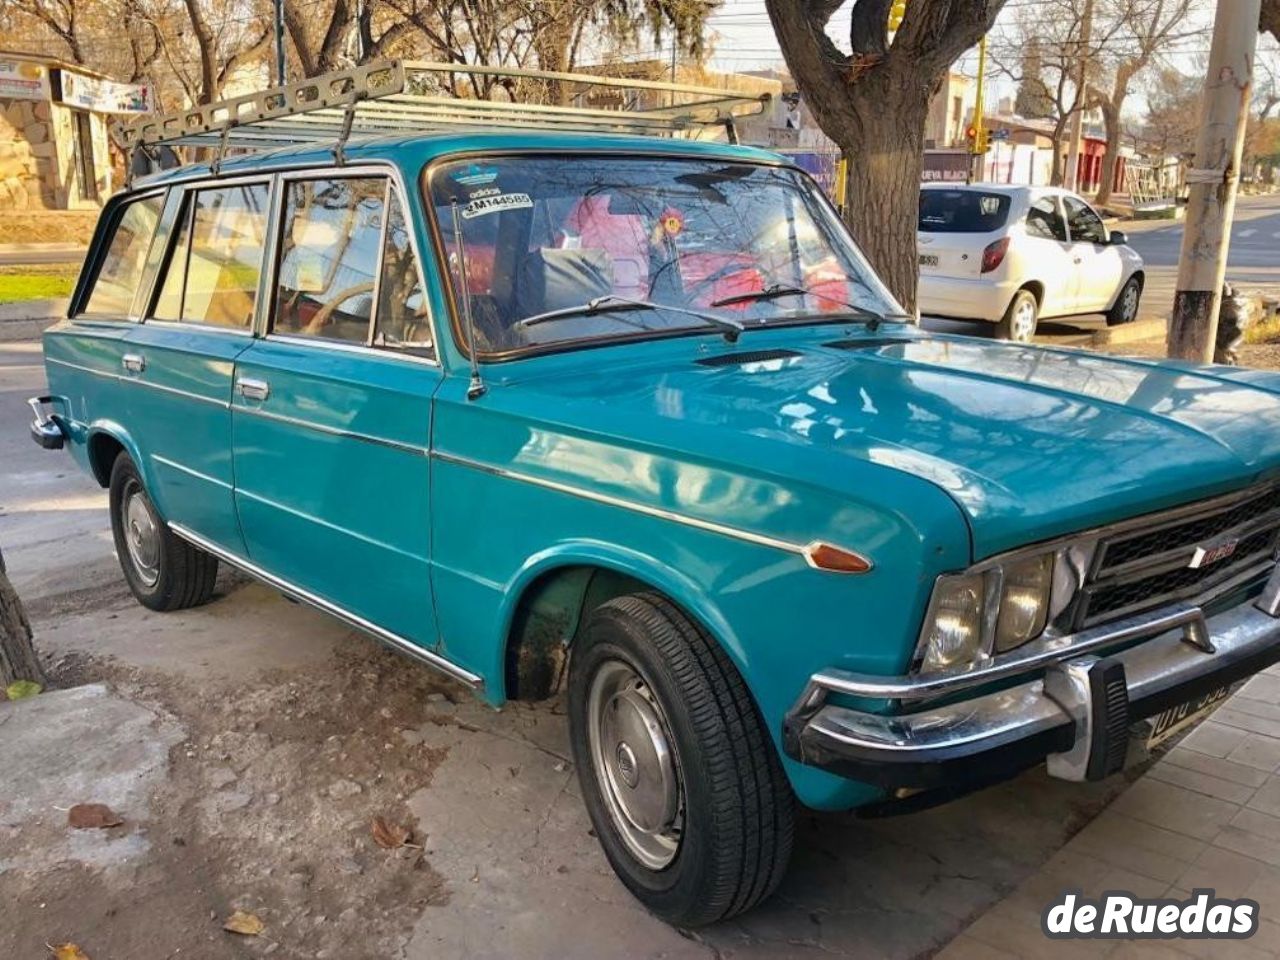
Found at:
(121, 270)
(1044, 220)
(962, 211)
(329, 258)
(215, 263)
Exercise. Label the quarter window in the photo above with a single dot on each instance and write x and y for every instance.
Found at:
(121, 271)
(329, 258)
(1086, 226)
(1044, 220)
(401, 320)
(214, 266)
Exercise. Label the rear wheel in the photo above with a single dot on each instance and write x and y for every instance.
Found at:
(163, 570)
(678, 773)
(1125, 309)
(1020, 320)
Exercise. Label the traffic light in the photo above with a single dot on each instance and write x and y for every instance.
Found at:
(896, 13)
(979, 140)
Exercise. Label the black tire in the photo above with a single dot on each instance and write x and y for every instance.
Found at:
(182, 575)
(1125, 310)
(1014, 324)
(737, 809)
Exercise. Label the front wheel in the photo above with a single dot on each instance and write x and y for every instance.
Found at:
(163, 571)
(1020, 320)
(682, 783)
(1125, 309)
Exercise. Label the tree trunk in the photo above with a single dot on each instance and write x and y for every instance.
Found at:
(1057, 173)
(18, 659)
(882, 199)
(1111, 159)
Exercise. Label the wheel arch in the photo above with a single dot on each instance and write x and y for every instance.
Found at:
(1036, 289)
(554, 592)
(104, 441)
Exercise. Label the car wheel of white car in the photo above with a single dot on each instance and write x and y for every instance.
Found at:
(1125, 309)
(1019, 321)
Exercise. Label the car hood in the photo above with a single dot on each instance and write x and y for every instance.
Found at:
(1031, 443)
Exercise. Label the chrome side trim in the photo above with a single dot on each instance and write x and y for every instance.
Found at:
(393, 640)
(151, 385)
(174, 465)
(333, 431)
(803, 550)
(110, 375)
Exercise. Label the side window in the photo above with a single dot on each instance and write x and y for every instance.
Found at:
(401, 321)
(214, 265)
(1045, 221)
(329, 250)
(122, 266)
(1086, 226)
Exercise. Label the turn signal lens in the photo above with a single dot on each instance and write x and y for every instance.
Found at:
(1024, 601)
(953, 633)
(824, 556)
(994, 253)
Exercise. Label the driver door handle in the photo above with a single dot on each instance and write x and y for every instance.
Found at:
(134, 362)
(253, 389)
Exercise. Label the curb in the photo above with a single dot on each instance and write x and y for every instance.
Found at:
(1129, 332)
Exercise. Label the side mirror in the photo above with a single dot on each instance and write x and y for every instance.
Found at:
(1119, 237)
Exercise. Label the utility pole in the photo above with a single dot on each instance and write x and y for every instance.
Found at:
(1082, 88)
(979, 111)
(279, 25)
(1206, 236)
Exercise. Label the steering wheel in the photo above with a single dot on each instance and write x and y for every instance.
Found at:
(321, 319)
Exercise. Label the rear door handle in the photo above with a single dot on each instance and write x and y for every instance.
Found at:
(253, 389)
(134, 362)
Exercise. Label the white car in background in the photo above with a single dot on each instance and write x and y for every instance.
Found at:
(1013, 255)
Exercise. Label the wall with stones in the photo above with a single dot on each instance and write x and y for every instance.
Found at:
(29, 177)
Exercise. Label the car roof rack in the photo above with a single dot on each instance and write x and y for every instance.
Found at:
(407, 97)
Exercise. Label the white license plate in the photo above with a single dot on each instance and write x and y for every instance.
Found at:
(928, 259)
(1168, 722)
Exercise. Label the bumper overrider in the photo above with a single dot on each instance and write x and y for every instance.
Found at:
(1074, 705)
(45, 428)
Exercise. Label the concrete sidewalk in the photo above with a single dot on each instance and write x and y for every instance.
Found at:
(1207, 815)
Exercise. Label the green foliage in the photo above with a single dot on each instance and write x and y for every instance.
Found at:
(21, 689)
(18, 284)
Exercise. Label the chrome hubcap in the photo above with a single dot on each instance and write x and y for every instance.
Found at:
(634, 764)
(141, 534)
(1024, 322)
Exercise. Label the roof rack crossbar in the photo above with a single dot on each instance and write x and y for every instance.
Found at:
(399, 97)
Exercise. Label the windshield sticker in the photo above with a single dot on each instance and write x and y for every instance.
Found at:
(496, 204)
(476, 176)
(672, 222)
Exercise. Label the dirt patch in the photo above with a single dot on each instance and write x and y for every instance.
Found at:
(48, 226)
(268, 808)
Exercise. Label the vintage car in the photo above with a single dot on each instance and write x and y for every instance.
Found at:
(633, 417)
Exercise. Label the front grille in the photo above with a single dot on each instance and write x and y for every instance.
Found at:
(1139, 569)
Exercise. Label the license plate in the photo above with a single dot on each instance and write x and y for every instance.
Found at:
(1165, 724)
(928, 259)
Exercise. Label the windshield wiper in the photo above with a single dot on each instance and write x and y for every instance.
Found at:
(731, 329)
(779, 290)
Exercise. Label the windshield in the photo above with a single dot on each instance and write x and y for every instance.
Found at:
(962, 211)
(544, 234)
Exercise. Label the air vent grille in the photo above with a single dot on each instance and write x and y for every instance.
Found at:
(747, 356)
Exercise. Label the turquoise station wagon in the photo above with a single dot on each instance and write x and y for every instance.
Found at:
(632, 417)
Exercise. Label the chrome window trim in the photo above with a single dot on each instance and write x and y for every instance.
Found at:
(394, 640)
(346, 346)
(110, 375)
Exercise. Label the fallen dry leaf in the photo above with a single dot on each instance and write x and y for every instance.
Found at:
(390, 836)
(246, 924)
(67, 951)
(92, 816)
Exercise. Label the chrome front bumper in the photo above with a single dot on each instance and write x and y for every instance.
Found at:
(1076, 708)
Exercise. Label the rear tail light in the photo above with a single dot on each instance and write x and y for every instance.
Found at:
(993, 255)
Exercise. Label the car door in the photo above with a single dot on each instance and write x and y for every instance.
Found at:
(1098, 266)
(180, 359)
(1048, 255)
(331, 418)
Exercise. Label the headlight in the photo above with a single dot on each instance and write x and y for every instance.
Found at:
(1024, 601)
(953, 631)
(976, 615)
